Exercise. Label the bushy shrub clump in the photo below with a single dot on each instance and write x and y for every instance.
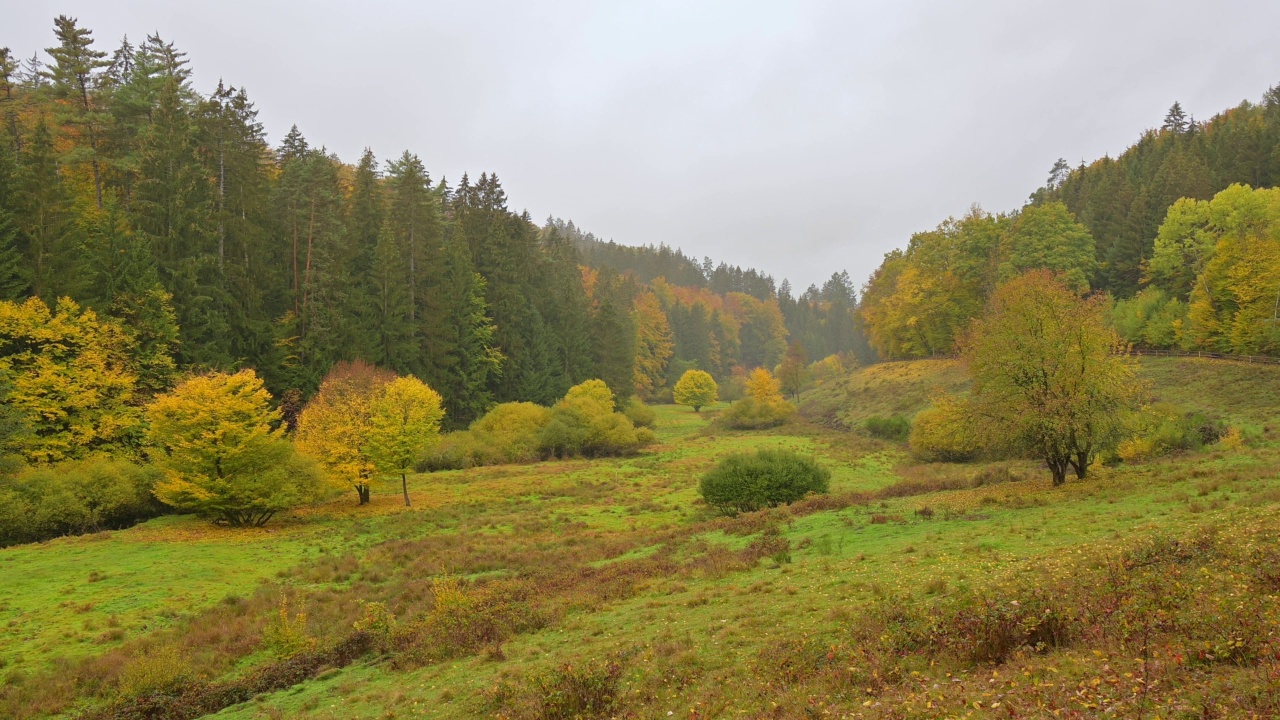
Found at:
(75, 497)
(639, 414)
(1164, 429)
(763, 406)
(894, 427)
(583, 424)
(944, 433)
(748, 482)
(752, 414)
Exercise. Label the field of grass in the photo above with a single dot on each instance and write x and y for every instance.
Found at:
(604, 588)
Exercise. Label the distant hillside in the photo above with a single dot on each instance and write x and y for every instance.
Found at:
(1183, 228)
(1238, 393)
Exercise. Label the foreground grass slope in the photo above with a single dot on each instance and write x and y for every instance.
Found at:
(605, 589)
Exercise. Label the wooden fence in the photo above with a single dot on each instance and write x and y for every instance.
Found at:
(1251, 359)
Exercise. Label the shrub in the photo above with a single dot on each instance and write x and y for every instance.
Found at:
(894, 427)
(744, 483)
(752, 414)
(1163, 429)
(75, 497)
(453, 452)
(943, 433)
(639, 414)
(584, 423)
(509, 433)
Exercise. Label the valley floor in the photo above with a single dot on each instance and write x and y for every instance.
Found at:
(605, 588)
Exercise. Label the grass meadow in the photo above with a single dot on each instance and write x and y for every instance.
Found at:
(605, 588)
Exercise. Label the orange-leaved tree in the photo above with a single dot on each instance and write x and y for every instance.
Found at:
(334, 426)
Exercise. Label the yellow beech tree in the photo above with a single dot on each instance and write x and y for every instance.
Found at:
(334, 426)
(223, 451)
(696, 389)
(763, 387)
(404, 419)
(70, 381)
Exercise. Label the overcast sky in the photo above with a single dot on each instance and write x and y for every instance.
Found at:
(799, 138)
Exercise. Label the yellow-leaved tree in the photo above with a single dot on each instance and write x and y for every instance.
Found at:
(334, 426)
(1046, 381)
(70, 381)
(223, 451)
(696, 389)
(763, 406)
(404, 420)
(654, 345)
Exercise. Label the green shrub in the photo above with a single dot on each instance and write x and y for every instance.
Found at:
(1164, 429)
(75, 497)
(943, 433)
(584, 424)
(748, 482)
(452, 452)
(894, 427)
(639, 414)
(508, 434)
(751, 414)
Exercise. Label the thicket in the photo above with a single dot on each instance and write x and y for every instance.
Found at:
(584, 423)
(763, 406)
(73, 497)
(892, 427)
(749, 482)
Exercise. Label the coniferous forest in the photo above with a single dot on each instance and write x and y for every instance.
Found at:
(127, 192)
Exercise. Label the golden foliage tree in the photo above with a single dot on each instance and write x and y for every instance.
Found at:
(654, 344)
(404, 419)
(70, 380)
(1045, 379)
(763, 387)
(334, 426)
(223, 451)
(696, 389)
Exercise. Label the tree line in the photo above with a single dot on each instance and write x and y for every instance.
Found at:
(164, 213)
(1180, 230)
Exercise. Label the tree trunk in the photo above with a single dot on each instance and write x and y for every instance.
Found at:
(1081, 464)
(363, 492)
(1059, 470)
(404, 483)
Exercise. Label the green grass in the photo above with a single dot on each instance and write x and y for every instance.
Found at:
(629, 567)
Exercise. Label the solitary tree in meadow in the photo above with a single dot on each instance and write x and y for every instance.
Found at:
(1045, 379)
(696, 389)
(404, 419)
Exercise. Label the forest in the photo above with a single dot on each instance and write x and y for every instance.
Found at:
(1181, 230)
(163, 218)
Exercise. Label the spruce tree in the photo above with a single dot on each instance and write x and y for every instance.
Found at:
(74, 74)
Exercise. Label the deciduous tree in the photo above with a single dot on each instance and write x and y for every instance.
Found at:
(223, 451)
(334, 427)
(404, 419)
(696, 389)
(1045, 379)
